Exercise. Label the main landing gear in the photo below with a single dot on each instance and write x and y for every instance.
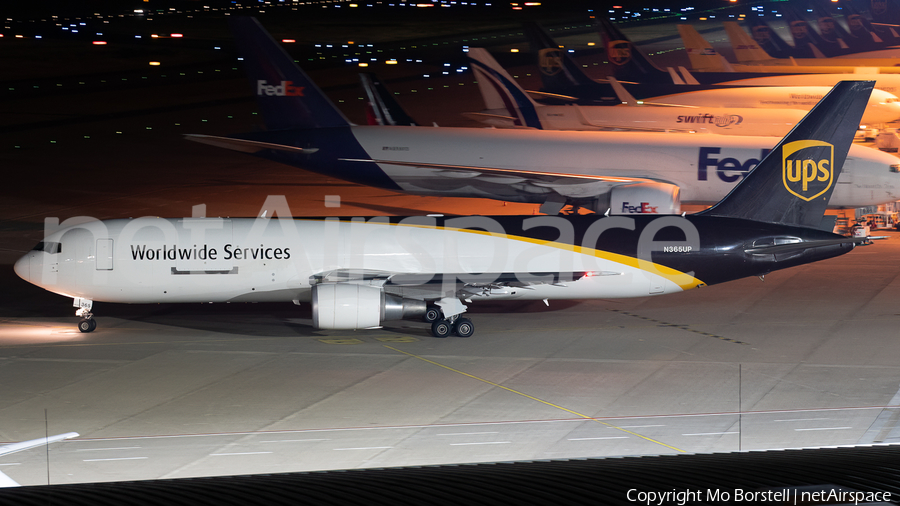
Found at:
(443, 327)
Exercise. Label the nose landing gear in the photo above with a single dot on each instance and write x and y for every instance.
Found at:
(87, 323)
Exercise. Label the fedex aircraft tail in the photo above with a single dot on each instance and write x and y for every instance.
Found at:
(286, 96)
(746, 50)
(793, 183)
(501, 92)
(701, 53)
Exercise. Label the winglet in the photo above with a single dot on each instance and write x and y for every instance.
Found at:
(793, 183)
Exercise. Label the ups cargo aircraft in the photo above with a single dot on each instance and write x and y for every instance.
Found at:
(510, 106)
(358, 273)
(625, 172)
(748, 52)
(707, 61)
(631, 64)
(563, 78)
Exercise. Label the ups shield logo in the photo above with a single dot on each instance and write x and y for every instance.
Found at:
(761, 34)
(799, 29)
(807, 168)
(550, 61)
(619, 51)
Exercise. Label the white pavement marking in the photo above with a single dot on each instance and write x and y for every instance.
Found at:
(590, 438)
(467, 433)
(488, 443)
(121, 458)
(365, 448)
(240, 453)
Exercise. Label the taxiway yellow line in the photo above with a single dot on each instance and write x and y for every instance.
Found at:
(567, 410)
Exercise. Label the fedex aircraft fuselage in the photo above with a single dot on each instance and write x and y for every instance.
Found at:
(704, 166)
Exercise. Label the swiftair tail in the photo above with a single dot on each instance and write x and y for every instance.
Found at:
(792, 184)
(501, 92)
(286, 96)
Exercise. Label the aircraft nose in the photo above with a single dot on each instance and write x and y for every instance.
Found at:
(23, 267)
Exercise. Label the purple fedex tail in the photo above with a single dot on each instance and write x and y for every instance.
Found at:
(286, 96)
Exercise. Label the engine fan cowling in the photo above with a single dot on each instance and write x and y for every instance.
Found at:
(643, 198)
(343, 306)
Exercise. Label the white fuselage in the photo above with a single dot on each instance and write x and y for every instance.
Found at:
(156, 260)
(708, 120)
(883, 107)
(884, 82)
(706, 167)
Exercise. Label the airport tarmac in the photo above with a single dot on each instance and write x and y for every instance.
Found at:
(807, 357)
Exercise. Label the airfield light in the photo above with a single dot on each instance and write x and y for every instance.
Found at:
(176, 35)
(155, 63)
(99, 43)
(363, 64)
(154, 36)
(513, 50)
(391, 62)
(592, 43)
(288, 41)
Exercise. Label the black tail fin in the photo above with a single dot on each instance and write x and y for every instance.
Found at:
(793, 183)
(384, 109)
(286, 96)
(629, 62)
(558, 71)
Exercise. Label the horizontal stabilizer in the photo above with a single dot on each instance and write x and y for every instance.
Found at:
(805, 245)
(244, 145)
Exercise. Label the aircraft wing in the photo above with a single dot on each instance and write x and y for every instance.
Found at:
(567, 185)
(244, 145)
(6, 481)
(442, 287)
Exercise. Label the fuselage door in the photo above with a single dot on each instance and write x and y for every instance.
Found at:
(104, 257)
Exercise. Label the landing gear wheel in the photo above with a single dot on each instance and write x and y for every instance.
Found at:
(441, 328)
(464, 327)
(87, 325)
(432, 314)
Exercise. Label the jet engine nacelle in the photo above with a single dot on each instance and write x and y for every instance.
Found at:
(352, 306)
(641, 198)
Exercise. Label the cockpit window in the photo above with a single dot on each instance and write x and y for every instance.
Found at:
(48, 247)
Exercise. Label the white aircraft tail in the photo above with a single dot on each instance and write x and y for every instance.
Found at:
(746, 50)
(701, 53)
